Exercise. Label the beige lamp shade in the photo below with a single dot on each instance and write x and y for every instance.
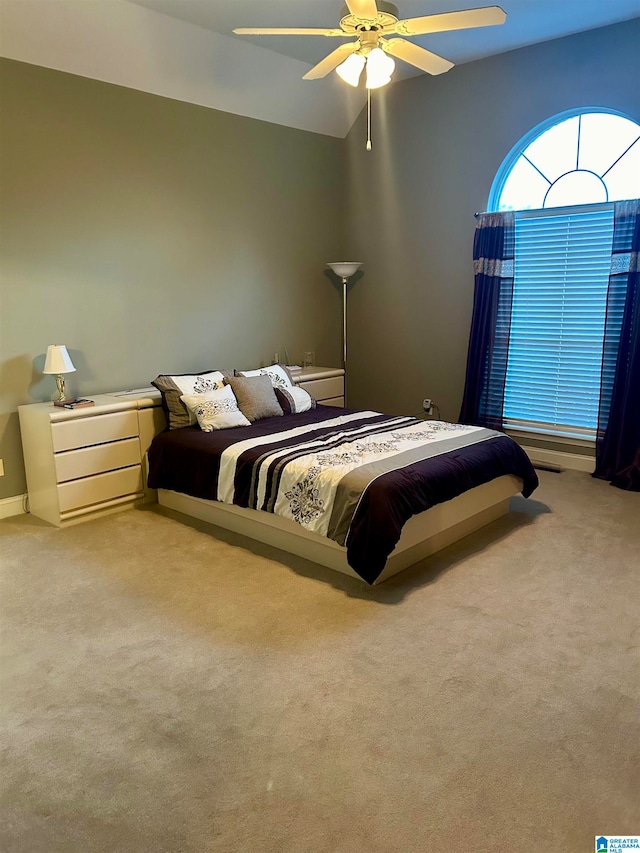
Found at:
(345, 269)
(58, 360)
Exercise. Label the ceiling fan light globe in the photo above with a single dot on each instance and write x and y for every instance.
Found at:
(376, 82)
(351, 69)
(380, 67)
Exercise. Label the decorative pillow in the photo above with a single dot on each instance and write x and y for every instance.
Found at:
(292, 398)
(215, 410)
(255, 396)
(279, 376)
(173, 387)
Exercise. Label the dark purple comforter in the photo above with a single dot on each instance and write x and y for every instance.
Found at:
(188, 460)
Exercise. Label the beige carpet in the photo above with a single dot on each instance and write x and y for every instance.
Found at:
(168, 687)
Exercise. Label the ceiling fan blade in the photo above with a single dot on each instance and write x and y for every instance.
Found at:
(331, 61)
(488, 16)
(366, 9)
(288, 31)
(418, 56)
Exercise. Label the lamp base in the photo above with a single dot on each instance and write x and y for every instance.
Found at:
(60, 385)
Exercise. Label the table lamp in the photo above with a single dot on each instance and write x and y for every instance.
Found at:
(58, 362)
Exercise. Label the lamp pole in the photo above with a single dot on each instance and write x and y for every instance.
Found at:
(345, 279)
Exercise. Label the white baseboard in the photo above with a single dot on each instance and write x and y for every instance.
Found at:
(12, 506)
(573, 461)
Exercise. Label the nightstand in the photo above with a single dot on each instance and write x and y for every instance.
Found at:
(326, 384)
(89, 461)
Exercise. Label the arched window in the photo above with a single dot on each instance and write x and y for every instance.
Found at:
(561, 180)
(585, 158)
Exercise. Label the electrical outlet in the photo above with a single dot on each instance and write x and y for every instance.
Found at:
(1, 467)
(427, 405)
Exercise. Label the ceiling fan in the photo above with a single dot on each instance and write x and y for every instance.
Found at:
(371, 21)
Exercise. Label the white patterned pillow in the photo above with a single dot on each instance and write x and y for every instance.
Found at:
(276, 373)
(216, 409)
(292, 398)
(172, 387)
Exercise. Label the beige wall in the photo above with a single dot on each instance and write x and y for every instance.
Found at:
(437, 144)
(150, 235)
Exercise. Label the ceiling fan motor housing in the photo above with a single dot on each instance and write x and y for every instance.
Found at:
(386, 18)
(368, 40)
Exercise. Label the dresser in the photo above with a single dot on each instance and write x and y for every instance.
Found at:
(88, 461)
(326, 384)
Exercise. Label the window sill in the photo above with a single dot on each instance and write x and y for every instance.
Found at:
(572, 452)
(557, 438)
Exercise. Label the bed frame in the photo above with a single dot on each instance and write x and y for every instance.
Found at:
(422, 535)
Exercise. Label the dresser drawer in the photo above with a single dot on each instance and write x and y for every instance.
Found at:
(325, 389)
(93, 460)
(102, 487)
(82, 432)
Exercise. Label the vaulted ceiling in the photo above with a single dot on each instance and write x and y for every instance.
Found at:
(185, 49)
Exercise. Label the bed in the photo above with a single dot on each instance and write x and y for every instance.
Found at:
(364, 493)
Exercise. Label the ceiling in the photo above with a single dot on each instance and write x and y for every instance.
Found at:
(528, 22)
(186, 50)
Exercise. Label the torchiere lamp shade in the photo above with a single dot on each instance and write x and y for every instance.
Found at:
(345, 269)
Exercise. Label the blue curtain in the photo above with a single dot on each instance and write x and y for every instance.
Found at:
(493, 254)
(618, 439)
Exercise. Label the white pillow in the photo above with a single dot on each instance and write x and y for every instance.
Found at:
(217, 409)
(292, 398)
(276, 373)
(172, 387)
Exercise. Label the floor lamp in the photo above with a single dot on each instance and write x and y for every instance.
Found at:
(344, 269)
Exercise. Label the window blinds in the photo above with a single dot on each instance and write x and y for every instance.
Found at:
(562, 264)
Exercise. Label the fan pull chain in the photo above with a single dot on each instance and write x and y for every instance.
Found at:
(368, 119)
